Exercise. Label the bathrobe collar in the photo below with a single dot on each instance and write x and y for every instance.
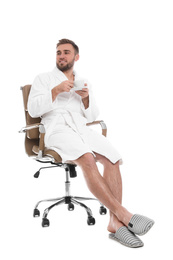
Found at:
(60, 75)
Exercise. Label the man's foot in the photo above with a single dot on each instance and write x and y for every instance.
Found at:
(114, 224)
(126, 237)
(124, 216)
(140, 225)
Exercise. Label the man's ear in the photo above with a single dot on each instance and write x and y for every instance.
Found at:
(77, 57)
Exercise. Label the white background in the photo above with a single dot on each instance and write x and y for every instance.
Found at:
(126, 52)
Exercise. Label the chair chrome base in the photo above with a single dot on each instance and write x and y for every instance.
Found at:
(67, 199)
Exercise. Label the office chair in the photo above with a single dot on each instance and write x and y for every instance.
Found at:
(34, 147)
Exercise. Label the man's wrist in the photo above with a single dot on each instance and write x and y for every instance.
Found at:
(55, 92)
(86, 102)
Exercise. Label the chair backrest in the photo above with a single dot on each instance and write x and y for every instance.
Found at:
(32, 136)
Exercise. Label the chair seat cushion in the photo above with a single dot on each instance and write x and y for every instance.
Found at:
(48, 152)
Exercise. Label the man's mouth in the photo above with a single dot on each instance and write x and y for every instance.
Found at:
(62, 62)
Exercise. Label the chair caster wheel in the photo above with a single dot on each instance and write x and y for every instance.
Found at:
(102, 210)
(91, 221)
(36, 213)
(45, 222)
(70, 207)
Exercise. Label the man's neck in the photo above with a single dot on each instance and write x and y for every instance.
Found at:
(69, 74)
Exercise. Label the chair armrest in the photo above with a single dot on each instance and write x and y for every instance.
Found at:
(103, 126)
(41, 136)
(33, 126)
(29, 127)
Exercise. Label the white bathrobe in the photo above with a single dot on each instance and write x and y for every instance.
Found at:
(65, 119)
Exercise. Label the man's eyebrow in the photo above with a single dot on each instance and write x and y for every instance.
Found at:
(64, 51)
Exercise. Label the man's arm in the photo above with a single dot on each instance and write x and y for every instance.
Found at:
(84, 93)
(64, 86)
(40, 98)
(86, 102)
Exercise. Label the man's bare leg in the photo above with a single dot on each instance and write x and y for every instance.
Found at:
(113, 178)
(100, 188)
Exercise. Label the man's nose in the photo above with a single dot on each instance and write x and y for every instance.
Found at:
(61, 56)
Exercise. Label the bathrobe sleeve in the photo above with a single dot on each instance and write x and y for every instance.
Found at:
(92, 112)
(40, 98)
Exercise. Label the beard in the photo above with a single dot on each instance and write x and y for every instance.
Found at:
(65, 67)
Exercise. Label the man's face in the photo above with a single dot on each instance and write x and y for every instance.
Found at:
(65, 57)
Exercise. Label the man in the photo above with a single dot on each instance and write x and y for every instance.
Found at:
(65, 111)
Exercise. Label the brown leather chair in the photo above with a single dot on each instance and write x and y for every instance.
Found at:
(34, 147)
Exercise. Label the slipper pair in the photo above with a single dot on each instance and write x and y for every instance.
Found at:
(139, 225)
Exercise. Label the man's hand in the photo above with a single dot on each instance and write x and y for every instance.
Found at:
(84, 93)
(64, 86)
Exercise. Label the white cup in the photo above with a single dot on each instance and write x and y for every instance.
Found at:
(79, 85)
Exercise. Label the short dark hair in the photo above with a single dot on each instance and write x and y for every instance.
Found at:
(65, 41)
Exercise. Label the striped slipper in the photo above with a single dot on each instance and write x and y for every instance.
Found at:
(140, 225)
(127, 238)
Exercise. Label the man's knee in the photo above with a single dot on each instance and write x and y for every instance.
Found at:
(103, 160)
(86, 160)
(106, 162)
